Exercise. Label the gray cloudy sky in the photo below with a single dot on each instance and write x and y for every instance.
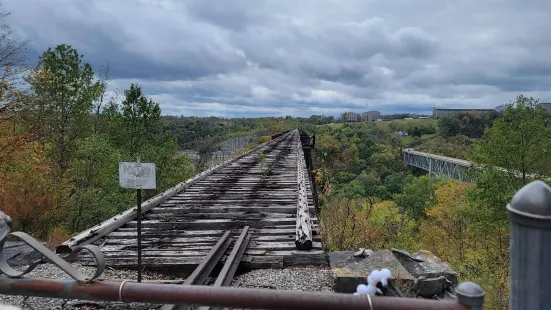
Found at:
(303, 57)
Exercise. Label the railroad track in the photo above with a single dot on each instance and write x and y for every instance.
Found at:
(205, 268)
(264, 193)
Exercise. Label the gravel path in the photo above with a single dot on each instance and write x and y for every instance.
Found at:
(295, 279)
(302, 279)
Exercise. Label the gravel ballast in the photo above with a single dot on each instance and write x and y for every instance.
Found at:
(300, 279)
(295, 279)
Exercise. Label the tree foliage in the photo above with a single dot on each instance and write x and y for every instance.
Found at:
(449, 126)
(63, 90)
(417, 197)
(60, 146)
(141, 119)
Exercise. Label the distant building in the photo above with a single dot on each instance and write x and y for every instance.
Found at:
(350, 117)
(546, 106)
(371, 116)
(439, 113)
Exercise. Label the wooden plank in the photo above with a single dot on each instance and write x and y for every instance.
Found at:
(158, 246)
(214, 223)
(175, 244)
(189, 263)
(303, 240)
(245, 184)
(130, 254)
(238, 200)
(179, 209)
(184, 244)
(262, 262)
(271, 260)
(278, 246)
(241, 202)
(227, 215)
(130, 233)
(145, 241)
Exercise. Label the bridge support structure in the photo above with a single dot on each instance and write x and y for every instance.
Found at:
(436, 165)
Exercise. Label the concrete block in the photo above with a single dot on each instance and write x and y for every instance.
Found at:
(350, 270)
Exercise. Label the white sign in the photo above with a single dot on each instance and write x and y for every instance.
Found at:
(137, 175)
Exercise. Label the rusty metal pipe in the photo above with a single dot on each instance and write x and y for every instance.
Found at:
(211, 296)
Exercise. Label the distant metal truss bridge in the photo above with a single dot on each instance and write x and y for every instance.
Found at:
(436, 165)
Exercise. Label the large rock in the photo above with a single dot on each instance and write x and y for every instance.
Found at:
(434, 277)
(350, 270)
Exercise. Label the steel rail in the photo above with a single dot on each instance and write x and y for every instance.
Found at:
(230, 266)
(201, 273)
(213, 296)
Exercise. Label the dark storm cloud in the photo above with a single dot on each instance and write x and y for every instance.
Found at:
(246, 58)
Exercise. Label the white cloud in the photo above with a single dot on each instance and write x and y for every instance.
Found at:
(245, 57)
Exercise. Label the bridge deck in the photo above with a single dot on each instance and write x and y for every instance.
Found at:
(258, 190)
(452, 160)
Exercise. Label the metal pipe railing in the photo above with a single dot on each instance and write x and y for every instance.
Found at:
(201, 295)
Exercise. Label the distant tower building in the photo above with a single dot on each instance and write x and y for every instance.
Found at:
(546, 106)
(350, 117)
(371, 116)
(439, 113)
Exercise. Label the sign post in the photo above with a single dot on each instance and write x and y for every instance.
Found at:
(139, 176)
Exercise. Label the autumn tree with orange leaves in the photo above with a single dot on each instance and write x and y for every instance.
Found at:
(24, 193)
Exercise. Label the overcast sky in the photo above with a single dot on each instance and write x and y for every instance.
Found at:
(303, 57)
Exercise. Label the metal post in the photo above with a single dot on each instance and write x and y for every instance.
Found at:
(139, 217)
(530, 253)
(470, 294)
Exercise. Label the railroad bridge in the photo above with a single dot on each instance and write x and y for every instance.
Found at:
(437, 165)
(264, 196)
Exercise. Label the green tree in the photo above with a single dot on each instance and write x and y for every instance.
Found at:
(473, 124)
(417, 197)
(97, 194)
(449, 126)
(416, 132)
(519, 143)
(63, 90)
(141, 119)
(396, 181)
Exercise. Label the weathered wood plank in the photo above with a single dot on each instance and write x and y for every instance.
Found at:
(188, 264)
(213, 223)
(314, 255)
(113, 244)
(147, 240)
(303, 240)
(186, 243)
(227, 215)
(130, 233)
(220, 208)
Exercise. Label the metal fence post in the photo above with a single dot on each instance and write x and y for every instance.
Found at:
(530, 247)
(470, 294)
